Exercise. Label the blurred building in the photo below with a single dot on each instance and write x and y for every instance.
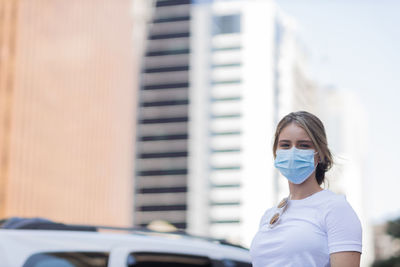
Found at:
(346, 125)
(214, 80)
(163, 114)
(294, 88)
(67, 105)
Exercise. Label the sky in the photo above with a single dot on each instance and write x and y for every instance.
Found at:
(355, 45)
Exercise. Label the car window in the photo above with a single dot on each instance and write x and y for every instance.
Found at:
(145, 259)
(233, 263)
(67, 259)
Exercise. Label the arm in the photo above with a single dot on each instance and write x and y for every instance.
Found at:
(345, 259)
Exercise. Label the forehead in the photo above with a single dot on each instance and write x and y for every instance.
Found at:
(293, 132)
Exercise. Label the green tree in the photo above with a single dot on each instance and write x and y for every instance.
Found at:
(393, 229)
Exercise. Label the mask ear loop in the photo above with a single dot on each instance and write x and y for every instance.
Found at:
(319, 158)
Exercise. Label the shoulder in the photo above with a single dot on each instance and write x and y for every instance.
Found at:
(333, 202)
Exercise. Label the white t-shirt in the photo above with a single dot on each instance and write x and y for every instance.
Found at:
(308, 231)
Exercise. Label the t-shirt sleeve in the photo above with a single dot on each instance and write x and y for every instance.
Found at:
(343, 227)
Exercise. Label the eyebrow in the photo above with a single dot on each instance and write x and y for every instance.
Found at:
(299, 141)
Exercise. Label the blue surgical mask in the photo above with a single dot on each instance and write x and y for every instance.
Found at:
(295, 164)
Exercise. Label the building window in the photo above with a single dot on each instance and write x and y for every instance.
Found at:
(226, 24)
(162, 208)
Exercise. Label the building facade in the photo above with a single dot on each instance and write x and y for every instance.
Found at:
(67, 88)
(208, 106)
(232, 117)
(162, 132)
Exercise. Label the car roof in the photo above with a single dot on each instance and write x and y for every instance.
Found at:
(23, 237)
(14, 243)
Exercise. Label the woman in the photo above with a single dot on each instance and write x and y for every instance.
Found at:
(313, 226)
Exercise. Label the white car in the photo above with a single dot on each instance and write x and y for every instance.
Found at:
(33, 245)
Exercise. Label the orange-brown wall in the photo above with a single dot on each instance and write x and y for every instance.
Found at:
(67, 96)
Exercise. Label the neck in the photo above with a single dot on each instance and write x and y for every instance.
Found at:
(306, 189)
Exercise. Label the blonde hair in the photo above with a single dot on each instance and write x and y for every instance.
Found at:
(316, 131)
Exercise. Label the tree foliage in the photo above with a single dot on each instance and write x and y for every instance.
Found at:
(391, 262)
(393, 229)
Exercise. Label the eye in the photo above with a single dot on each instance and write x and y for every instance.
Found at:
(284, 145)
(304, 146)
